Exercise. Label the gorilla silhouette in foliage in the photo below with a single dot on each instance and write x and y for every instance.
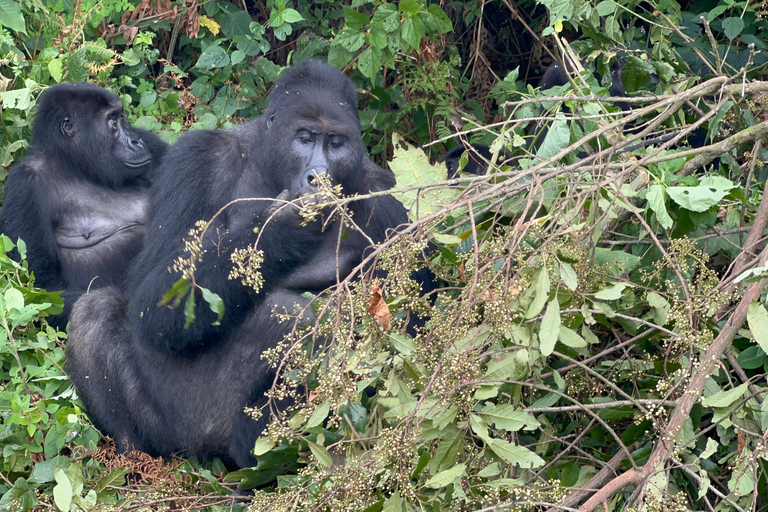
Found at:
(79, 198)
(162, 388)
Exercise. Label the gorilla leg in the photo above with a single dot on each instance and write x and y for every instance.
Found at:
(162, 403)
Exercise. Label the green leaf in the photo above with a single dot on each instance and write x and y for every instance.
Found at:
(62, 493)
(213, 57)
(292, 16)
(697, 199)
(446, 477)
(558, 136)
(612, 292)
(620, 262)
(446, 240)
(78, 65)
(354, 19)
(237, 23)
(19, 98)
(56, 69)
(410, 32)
(446, 451)
(321, 454)
(752, 358)
(439, 20)
(732, 27)
(412, 168)
(661, 307)
(550, 328)
(262, 446)
(369, 63)
(725, 398)
(568, 275)
(319, 414)
(14, 299)
(509, 417)
(412, 7)
(350, 39)
(11, 17)
(387, 17)
(178, 291)
(571, 338)
(147, 98)
(189, 310)
(655, 198)
(237, 57)
(403, 344)
(215, 303)
(515, 454)
(541, 293)
(605, 7)
(717, 11)
(757, 319)
(115, 477)
(393, 504)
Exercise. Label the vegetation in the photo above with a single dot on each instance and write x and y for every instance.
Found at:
(601, 335)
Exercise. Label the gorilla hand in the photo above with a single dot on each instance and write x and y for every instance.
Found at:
(295, 213)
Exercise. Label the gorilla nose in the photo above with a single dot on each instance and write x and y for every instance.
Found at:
(136, 141)
(310, 177)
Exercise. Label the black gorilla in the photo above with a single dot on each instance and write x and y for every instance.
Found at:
(477, 158)
(156, 386)
(79, 198)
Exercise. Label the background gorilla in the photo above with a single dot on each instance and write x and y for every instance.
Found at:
(79, 198)
(154, 385)
(477, 158)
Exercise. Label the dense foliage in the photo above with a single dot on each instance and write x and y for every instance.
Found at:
(601, 335)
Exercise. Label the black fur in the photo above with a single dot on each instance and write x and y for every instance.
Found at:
(477, 160)
(79, 198)
(156, 386)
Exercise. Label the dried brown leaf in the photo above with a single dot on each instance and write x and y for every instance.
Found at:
(378, 308)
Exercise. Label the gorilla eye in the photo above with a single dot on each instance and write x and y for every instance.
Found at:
(304, 137)
(113, 124)
(336, 142)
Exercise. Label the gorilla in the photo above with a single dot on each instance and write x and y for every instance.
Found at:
(157, 386)
(79, 198)
(477, 158)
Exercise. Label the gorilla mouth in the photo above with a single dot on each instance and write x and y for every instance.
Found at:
(136, 164)
(79, 242)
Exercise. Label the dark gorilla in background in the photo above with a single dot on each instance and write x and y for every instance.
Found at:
(79, 198)
(156, 386)
(554, 76)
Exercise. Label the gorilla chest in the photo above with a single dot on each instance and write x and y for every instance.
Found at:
(92, 222)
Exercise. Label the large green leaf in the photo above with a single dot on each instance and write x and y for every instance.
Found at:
(412, 168)
(11, 17)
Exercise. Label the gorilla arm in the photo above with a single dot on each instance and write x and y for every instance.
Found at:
(23, 212)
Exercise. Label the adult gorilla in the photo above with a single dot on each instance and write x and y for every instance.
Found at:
(79, 198)
(156, 386)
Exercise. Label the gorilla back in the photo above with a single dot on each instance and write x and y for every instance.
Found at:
(160, 387)
(79, 198)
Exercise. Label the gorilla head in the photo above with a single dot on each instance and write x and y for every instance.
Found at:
(313, 111)
(86, 125)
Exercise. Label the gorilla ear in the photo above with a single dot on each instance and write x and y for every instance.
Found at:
(67, 128)
(271, 120)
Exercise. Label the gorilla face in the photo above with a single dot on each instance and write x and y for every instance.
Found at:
(321, 143)
(318, 149)
(88, 125)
